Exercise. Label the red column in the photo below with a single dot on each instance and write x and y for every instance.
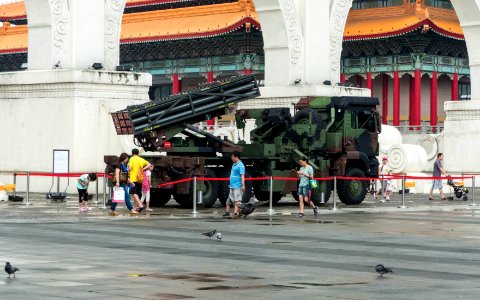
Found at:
(176, 84)
(343, 78)
(370, 83)
(418, 97)
(455, 87)
(210, 77)
(247, 72)
(433, 100)
(385, 99)
(396, 99)
(411, 103)
(359, 81)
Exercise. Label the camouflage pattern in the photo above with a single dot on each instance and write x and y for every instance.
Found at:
(338, 135)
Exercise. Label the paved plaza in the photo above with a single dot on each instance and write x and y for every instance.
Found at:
(432, 248)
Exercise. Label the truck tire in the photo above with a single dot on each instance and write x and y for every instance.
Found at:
(265, 196)
(209, 196)
(159, 197)
(352, 192)
(224, 189)
(317, 197)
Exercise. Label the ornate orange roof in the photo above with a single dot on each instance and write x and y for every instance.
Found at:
(16, 10)
(211, 20)
(160, 25)
(384, 22)
(13, 39)
(190, 22)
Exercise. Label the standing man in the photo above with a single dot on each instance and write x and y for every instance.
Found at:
(237, 185)
(384, 171)
(437, 172)
(136, 167)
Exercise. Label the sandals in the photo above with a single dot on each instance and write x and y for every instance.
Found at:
(430, 198)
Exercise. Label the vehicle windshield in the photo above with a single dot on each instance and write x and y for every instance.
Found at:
(364, 120)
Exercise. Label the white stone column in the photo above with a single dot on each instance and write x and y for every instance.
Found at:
(72, 34)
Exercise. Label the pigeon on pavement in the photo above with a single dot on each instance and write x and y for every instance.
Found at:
(248, 209)
(210, 233)
(381, 269)
(11, 269)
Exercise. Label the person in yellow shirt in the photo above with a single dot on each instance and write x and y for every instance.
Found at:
(136, 167)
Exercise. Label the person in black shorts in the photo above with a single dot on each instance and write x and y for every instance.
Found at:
(82, 186)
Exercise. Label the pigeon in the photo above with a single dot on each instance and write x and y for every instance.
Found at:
(218, 236)
(381, 269)
(246, 210)
(11, 269)
(210, 234)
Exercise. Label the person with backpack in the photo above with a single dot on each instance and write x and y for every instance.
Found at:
(136, 167)
(122, 180)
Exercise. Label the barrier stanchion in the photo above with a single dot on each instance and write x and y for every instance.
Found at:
(194, 212)
(473, 192)
(334, 194)
(15, 183)
(28, 189)
(403, 192)
(271, 211)
(104, 190)
(96, 189)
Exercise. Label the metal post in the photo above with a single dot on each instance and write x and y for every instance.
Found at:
(96, 189)
(473, 192)
(194, 195)
(15, 183)
(403, 192)
(104, 190)
(334, 194)
(271, 211)
(28, 188)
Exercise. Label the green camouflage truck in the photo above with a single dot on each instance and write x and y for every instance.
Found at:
(338, 135)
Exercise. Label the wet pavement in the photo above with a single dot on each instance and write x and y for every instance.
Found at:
(433, 248)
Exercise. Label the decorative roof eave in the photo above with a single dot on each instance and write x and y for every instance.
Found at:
(14, 51)
(404, 31)
(223, 31)
(128, 5)
(196, 35)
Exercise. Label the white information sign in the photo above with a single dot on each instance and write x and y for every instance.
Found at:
(61, 161)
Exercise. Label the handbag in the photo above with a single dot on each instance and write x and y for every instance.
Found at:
(123, 176)
(118, 195)
(313, 184)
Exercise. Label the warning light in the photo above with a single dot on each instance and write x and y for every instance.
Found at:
(167, 145)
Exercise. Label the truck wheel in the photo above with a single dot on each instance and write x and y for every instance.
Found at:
(317, 194)
(224, 189)
(159, 197)
(209, 196)
(265, 196)
(352, 192)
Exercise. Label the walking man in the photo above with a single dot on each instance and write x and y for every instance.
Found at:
(237, 185)
(136, 167)
(438, 170)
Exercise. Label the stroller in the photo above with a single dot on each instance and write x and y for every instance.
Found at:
(459, 190)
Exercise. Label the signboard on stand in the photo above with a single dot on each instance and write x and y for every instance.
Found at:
(61, 165)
